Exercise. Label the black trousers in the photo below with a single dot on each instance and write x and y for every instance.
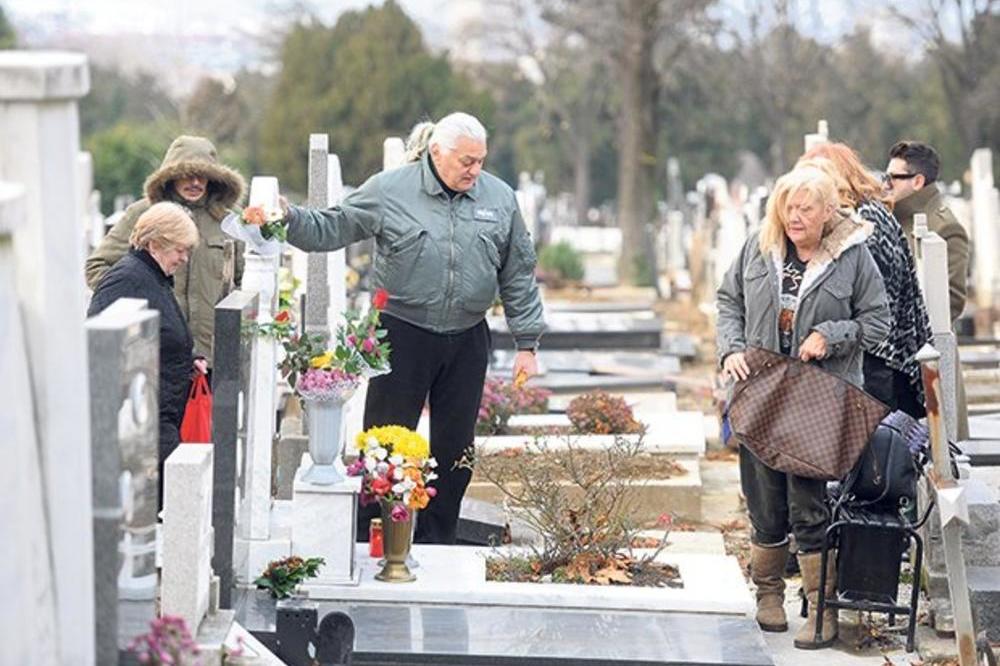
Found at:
(448, 369)
(779, 503)
(891, 387)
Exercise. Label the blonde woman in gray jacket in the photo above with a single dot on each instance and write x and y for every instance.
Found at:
(807, 287)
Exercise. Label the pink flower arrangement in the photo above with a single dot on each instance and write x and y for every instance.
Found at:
(168, 642)
(502, 399)
(327, 384)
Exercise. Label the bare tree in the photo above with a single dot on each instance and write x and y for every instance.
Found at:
(569, 78)
(969, 63)
(641, 39)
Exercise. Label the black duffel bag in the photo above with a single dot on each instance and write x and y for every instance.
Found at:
(886, 474)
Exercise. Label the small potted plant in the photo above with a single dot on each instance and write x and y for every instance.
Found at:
(282, 577)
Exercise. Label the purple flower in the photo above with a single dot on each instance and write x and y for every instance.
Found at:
(399, 513)
(356, 468)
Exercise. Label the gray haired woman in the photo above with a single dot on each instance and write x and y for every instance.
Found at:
(807, 287)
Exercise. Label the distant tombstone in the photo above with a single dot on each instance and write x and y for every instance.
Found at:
(985, 219)
(230, 389)
(123, 352)
(28, 625)
(317, 282)
(821, 136)
(393, 153)
(39, 144)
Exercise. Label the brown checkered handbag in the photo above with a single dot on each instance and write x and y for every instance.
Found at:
(800, 419)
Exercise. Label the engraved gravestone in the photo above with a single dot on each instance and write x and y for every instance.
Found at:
(230, 387)
(123, 353)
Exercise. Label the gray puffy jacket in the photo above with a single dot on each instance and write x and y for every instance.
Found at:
(841, 297)
(441, 260)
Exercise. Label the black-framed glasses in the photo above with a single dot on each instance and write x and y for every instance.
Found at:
(888, 176)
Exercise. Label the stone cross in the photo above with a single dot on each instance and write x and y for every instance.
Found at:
(123, 346)
(25, 547)
(952, 504)
(39, 143)
(932, 271)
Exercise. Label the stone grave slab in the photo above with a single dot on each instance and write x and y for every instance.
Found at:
(599, 306)
(591, 362)
(589, 331)
(690, 543)
(984, 590)
(984, 427)
(582, 382)
(667, 432)
(655, 401)
(679, 495)
(456, 575)
(414, 633)
(982, 452)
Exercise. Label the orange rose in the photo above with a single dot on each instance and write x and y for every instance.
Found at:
(413, 473)
(254, 215)
(418, 498)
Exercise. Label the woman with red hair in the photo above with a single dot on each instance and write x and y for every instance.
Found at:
(891, 371)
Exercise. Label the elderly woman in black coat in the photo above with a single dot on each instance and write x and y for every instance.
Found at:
(161, 243)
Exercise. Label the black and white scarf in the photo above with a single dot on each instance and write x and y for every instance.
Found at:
(911, 328)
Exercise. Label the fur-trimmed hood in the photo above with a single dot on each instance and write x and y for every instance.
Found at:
(196, 156)
(844, 230)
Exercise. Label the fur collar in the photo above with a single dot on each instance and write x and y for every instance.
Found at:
(844, 230)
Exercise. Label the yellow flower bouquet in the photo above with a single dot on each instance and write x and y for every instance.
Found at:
(396, 466)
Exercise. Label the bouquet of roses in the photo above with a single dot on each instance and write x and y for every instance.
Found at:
(396, 466)
(270, 222)
(362, 335)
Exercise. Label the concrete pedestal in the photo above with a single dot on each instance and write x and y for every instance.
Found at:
(324, 524)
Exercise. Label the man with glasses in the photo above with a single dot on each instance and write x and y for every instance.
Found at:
(910, 180)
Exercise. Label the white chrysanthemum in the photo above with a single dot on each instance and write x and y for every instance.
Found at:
(372, 443)
(432, 463)
(397, 474)
(370, 464)
(380, 453)
(431, 476)
(396, 459)
(399, 488)
(382, 467)
(408, 483)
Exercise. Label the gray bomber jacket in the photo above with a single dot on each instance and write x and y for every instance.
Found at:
(841, 297)
(441, 260)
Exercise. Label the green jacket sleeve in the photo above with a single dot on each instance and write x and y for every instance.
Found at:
(522, 303)
(358, 217)
(954, 235)
(871, 318)
(730, 327)
(114, 246)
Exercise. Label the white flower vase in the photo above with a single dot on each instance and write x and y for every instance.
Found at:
(326, 418)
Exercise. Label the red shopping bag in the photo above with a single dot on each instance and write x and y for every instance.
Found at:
(197, 423)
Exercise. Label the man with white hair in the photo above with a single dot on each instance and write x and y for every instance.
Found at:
(448, 236)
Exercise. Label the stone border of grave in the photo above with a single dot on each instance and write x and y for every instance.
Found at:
(679, 495)
(456, 575)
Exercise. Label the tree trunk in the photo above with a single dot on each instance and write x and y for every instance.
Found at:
(637, 133)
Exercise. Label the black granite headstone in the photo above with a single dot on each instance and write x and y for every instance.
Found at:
(230, 382)
(123, 354)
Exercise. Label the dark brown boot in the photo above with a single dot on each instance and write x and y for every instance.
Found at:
(810, 563)
(767, 567)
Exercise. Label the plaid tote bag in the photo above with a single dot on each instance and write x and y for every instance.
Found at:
(800, 419)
